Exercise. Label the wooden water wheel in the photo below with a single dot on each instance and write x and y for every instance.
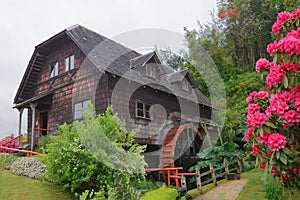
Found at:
(176, 143)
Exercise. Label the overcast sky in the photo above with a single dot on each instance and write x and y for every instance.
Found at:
(25, 24)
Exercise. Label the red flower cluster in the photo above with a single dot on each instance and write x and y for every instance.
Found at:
(263, 139)
(289, 45)
(273, 117)
(276, 141)
(255, 150)
(282, 18)
(229, 13)
(9, 142)
(256, 119)
(262, 64)
(276, 75)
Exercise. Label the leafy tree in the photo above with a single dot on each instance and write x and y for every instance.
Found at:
(80, 164)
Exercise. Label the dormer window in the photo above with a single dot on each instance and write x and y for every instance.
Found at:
(54, 70)
(185, 86)
(69, 63)
(150, 71)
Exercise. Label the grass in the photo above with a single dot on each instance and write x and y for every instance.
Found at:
(194, 192)
(254, 190)
(20, 187)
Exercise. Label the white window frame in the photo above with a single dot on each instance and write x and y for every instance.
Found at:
(185, 86)
(145, 110)
(69, 63)
(150, 71)
(54, 70)
(81, 107)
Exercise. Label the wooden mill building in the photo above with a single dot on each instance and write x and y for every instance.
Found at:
(78, 66)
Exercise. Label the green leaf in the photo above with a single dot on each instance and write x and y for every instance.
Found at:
(297, 22)
(266, 129)
(270, 124)
(283, 158)
(287, 152)
(261, 131)
(275, 59)
(285, 82)
(278, 155)
(286, 58)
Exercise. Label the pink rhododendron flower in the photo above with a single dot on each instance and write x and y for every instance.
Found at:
(262, 165)
(253, 108)
(296, 13)
(285, 126)
(292, 117)
(276, 75)
(262, 64)
(263, 139)
(276, 141)
(255, 150)
(274, 171)
(283, 17)
(272, 48)
(248, 135)
(276, 28)
(256, 119)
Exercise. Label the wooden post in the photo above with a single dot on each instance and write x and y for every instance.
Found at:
(169, 179)
(240, 168)
(33, 108)
(198, 179)
(20, 125)
(226, 166)
(220, 136)
(183, 182)
(213, 176)
(203, 125)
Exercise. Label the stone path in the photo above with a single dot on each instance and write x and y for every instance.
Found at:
(228, 190)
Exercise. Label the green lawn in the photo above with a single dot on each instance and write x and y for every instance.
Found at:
(254, 190)
(14, 187)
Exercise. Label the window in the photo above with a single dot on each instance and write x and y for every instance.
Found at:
(150, 71)
(80, 107)
(54, 70)
(69, 63)
(142, 110)
(185, 86)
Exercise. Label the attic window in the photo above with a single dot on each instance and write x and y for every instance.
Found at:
(185, 86)
(54, 70)
(80, 107)
(150, 71)
(69, 63)
(142, 110)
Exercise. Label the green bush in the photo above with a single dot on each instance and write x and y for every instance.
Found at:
(274, 191)
(86, 163)
(6, 160)
(42, 145)
(161, 194)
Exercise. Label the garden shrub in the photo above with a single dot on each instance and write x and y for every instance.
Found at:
(161, 194)
(87, 170)
(30, 167)
(9, 142)
(274, 115)
(274, 191)
(6, 160)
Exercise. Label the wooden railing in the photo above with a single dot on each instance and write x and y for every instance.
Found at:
(20, 137)
(175, 174)
(28, 153)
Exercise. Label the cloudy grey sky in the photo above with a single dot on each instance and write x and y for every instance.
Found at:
(25, 24)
